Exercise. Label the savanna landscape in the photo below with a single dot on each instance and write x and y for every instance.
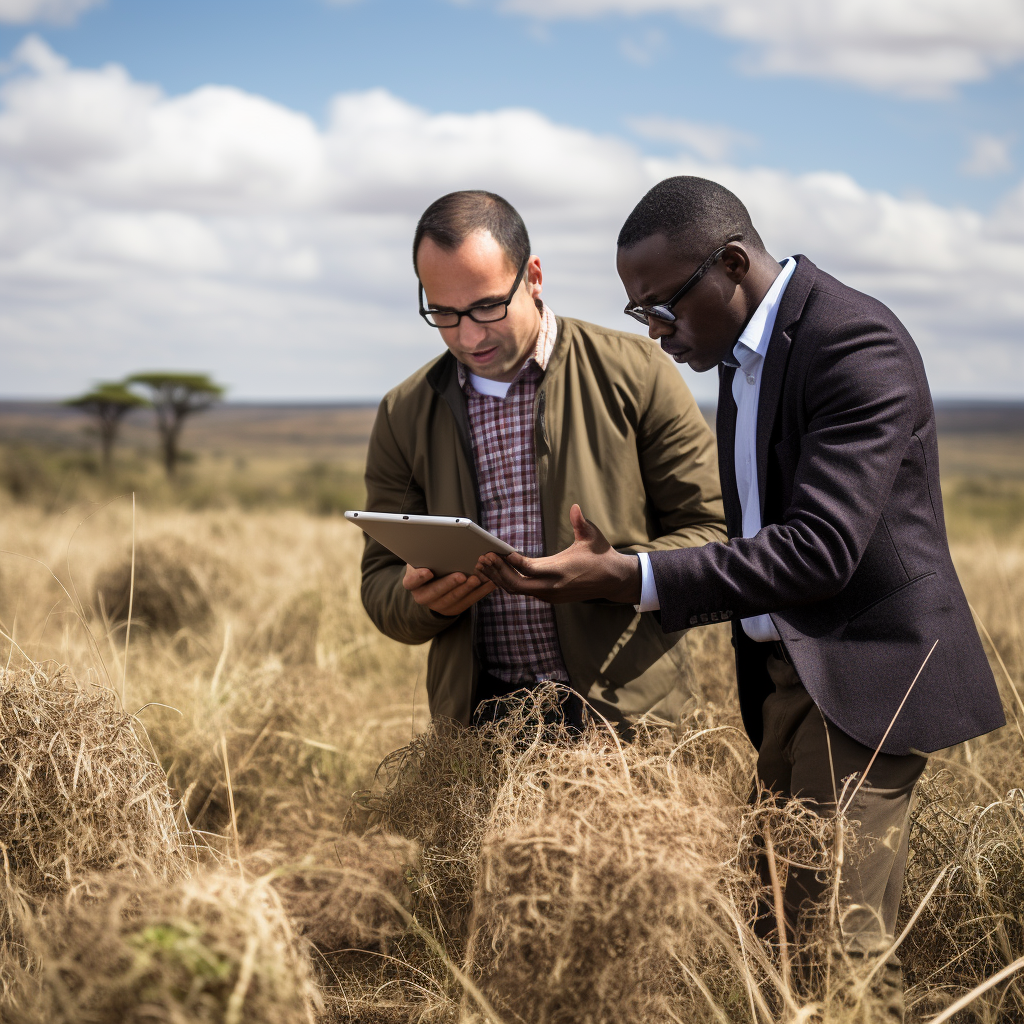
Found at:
(222, 799)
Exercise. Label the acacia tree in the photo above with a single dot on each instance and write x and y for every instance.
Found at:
(108, 404)
(176, 396)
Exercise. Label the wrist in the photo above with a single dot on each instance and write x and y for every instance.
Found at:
(629, 579)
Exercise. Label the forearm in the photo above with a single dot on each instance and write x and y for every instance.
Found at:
(391, 487)
(780, 568)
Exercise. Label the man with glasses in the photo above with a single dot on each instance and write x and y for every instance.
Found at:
(856, 653)
(524, 414)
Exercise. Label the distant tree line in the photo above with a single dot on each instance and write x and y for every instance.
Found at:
(173, 396)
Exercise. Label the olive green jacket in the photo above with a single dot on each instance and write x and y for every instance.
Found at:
(617, 431)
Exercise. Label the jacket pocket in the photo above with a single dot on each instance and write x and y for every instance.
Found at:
(892, 593)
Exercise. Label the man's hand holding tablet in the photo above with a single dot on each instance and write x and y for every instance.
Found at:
(440, 554)
(445, 595)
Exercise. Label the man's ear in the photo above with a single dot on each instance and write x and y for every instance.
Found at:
(736, 262)
(534, 277)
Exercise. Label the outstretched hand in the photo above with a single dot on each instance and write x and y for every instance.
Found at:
(588, 569)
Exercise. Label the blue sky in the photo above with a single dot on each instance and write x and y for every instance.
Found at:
(897, 129)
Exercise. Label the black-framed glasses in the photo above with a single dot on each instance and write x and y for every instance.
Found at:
(486, 313)
(663, 310)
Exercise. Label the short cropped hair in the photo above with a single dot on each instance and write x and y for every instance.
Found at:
(450, 220)
(695, 215)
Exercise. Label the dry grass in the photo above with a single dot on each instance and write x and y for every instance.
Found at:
(504, 875)
(161, 584)
(80, 792)
(213, 949)
(348, 892)
(603, 868)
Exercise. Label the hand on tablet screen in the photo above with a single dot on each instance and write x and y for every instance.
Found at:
(589, 568)
(446, 595)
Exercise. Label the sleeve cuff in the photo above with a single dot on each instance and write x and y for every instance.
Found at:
(649, 601)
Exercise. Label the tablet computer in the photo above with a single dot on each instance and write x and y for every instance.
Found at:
(438, 543)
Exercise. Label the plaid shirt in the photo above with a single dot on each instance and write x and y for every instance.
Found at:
(517, 634)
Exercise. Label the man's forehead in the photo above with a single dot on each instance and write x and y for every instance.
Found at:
(476, 272)
(649, 265)
(478, 252)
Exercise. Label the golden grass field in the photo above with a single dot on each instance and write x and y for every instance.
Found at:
(178, 832)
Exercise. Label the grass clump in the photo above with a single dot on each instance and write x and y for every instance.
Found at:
(572, 876)
(349, 892)
(80, 790)
(603, 870)
(438, 791)
(165, 593)
(213, 949)
(973, 926)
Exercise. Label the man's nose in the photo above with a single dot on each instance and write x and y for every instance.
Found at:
(658, 329)
(471, 334)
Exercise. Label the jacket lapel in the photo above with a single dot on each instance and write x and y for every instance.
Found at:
(725, 430)
(773, 373)
(443, 377)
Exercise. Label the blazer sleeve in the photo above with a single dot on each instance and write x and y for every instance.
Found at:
(678, 463)
(861, 390)
(391, 487)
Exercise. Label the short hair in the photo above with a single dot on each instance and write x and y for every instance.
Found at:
(450, 220)
(696, 216)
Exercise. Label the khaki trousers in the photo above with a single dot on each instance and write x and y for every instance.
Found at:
(794, 761)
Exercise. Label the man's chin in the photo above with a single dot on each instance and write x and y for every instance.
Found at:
(693, 362)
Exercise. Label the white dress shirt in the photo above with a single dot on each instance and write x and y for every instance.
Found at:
(748, 353)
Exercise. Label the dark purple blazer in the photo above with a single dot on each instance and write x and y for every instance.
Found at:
(852, 560)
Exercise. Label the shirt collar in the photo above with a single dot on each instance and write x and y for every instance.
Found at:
(542, 352)
(753, 342)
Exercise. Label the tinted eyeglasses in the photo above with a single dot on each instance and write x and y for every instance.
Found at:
(663, 310)
(487, 313)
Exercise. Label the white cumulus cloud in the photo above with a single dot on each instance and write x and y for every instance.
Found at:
(989, 155)
(913, 47)
(220, 231)
(710, 141)
(61, 12)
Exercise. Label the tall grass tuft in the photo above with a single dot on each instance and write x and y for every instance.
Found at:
(212, 949)
(80, 790)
